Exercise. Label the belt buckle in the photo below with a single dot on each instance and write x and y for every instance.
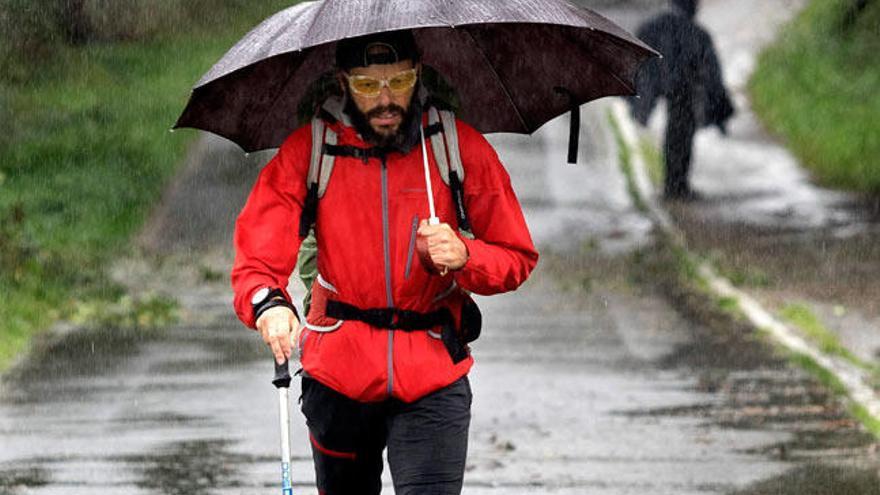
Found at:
(394, 321)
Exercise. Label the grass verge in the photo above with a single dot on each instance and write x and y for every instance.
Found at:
(802, 317)
(831, 382)
(688, 287)
(85, 153)
(653, 159)
(624, 156)
(816, 87)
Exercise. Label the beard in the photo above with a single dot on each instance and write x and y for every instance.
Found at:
(401, 139)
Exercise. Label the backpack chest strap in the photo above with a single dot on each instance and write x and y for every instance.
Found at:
(441, 132)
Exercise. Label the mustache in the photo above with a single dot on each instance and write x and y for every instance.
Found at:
(392, 108)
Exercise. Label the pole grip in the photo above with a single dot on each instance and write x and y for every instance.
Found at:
(282, 375)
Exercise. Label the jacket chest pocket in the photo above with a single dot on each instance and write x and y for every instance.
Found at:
(414, 201)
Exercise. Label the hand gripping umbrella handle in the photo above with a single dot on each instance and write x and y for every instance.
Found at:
(421, 242)
(282, 383)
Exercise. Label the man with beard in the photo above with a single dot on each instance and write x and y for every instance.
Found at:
(383, 346)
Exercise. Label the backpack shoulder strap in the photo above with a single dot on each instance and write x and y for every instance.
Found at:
(320, 168)
(327, 162)
(447, 155)
(318, 128)
(438, 145)
(451, 133)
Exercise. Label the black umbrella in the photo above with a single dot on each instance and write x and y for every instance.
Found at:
(515, 64)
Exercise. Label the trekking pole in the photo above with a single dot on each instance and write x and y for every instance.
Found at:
(282, 383)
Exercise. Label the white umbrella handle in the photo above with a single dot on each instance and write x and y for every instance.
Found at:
(433, 220)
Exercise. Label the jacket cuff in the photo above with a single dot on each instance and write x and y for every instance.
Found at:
(474, 263)
(276, 297)
(273, 303)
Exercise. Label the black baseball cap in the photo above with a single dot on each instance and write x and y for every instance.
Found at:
(376, 49)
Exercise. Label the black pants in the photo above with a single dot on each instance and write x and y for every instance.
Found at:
(680, 129)
(426, 440)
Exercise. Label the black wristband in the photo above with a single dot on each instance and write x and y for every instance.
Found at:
(274, 299)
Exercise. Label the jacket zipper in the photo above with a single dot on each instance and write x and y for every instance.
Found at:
(386, 243)
(412, 246)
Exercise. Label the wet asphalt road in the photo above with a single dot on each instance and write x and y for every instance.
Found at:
(575, 391)
(605, 390)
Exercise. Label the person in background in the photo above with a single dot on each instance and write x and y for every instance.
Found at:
(689, 78)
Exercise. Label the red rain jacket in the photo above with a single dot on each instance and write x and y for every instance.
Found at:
(365, 230)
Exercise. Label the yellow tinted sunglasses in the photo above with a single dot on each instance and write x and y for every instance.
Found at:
(371, 86)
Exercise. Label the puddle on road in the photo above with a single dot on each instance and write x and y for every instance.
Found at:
(832, 271)
(198, 467)
(227, 343)
(86, 353)
(819, 479)
(92, 355)
(15, 481)
(752, 387)
(818, 264)
(759, 389)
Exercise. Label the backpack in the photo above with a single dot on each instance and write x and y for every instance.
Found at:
(443, 137)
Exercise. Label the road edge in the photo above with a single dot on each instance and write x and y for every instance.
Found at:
(840, 375)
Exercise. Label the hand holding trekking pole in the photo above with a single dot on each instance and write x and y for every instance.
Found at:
(280, 330)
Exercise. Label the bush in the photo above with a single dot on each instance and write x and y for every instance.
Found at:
(15, 248)
(84, 144)
(142, 19)
(817, 88)
(31, 31)
(27, 27)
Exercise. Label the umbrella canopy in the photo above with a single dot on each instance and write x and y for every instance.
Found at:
(515, 64)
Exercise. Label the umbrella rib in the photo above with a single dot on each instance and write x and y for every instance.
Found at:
(313, 24)
(608, 70)
(500, 81)
(617, 78)
(275, 100)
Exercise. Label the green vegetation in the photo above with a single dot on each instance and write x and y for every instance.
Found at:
(145, 312)
(831, 382)
(738, 274)
(871, 423)
(729, 304)
(814, 330)
(819, 372)
(749, 276)
(84, 144)
(669, 260)
(625, 154)
(817, 88)
(653, 159)
(803, 318)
